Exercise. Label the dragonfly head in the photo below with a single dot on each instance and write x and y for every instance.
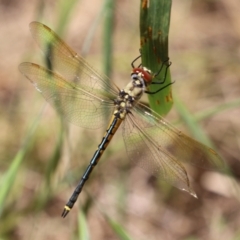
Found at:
(143, 73)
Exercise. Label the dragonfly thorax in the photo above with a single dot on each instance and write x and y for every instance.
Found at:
(129, 96)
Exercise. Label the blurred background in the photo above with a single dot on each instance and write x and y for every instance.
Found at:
(42, 158)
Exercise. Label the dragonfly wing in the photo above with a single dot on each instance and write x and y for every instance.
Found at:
(61, 58)
(178, 145)
(82, 105)
(145, 152)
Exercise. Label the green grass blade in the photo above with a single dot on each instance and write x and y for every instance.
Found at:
(91, 31)
(154, 29)
(65, 9)
(83, 233)
(191, 123)
(107, 36)
(57, 153)
(8, 179)
(217, 109)
(118, 229)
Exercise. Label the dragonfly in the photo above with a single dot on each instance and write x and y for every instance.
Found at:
(88, 99)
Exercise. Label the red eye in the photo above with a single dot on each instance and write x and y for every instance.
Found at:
(146, 74)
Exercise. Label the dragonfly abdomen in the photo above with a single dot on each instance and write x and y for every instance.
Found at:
(113, 126)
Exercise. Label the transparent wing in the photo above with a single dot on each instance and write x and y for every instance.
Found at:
(61, 58)
(160, 149)
(144, 152)
(82, 105)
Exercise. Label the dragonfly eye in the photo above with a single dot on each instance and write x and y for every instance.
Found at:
(143, 73)
(147, 70)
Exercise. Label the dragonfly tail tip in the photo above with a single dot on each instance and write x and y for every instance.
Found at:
(65, 212)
